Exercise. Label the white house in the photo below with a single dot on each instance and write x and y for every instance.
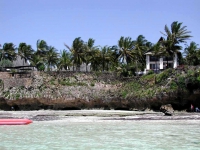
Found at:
(153, 63)
(161, 62)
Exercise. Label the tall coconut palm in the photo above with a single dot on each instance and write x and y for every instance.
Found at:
(25, 52)
(78, 52)
(95, 60)
(8, 52)
(89, 48)
(106, 57)
(124, 49)
(64, 60)
(192, 54)
(141, 45)
(42, 47)
(176, 35)
(51, 57)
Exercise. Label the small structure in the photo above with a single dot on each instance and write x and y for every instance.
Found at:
(20, 68)
(162, 62)
(20, 71)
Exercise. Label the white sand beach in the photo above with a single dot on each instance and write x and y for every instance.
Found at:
(96, 115)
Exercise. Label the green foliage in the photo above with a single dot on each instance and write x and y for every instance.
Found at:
(124, 94)
(150, 72)
(181, 82)
(7, 93)
(92, 84)
(41, 67)
(98, 73)
(6, 63)
(173, 85)
(198, 78)
(67, 82)
(190, 73)
(127, 70)
(52, 81)
(17, 96)
(148, 77)
(1, 82)
(164, 75)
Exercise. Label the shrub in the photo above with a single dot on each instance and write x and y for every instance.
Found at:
(5, 63)
(52, 81)
(124, 94)
(92, 84)
(41, 67)
(173, 85)
(150, 72)
(181, 82)
(164, 75)
(17, 96)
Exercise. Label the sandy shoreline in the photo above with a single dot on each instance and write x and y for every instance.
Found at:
(92, 115)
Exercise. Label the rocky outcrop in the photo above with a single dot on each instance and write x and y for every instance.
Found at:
(167, 109)
(4, 105)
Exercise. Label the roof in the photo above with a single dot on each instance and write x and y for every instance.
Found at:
(20, 62)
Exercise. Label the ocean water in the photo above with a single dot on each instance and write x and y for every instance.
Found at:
(102, 135)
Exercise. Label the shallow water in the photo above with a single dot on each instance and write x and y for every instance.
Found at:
(112, 135)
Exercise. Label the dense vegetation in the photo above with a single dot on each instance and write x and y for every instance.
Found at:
(126, 57)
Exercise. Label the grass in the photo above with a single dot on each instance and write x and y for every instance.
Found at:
(65, 82)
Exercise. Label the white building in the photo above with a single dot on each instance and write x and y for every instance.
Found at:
(161, 62)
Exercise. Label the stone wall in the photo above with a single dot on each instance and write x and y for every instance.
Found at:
(17, 82)
(103, 76)
(5, 75)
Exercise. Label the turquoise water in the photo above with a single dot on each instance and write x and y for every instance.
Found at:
(109, 135)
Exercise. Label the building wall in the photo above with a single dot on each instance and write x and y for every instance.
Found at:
(147, 62)
(161, 63)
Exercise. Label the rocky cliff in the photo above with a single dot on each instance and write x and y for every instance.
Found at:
(67, 90)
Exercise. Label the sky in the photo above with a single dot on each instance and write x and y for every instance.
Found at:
(61, 21)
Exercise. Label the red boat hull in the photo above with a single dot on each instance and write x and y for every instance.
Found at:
(15, 121)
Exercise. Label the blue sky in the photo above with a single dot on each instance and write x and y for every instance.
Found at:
(61, 21)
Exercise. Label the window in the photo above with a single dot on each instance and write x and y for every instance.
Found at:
(154, 66)
(167, 58)
(153, 58)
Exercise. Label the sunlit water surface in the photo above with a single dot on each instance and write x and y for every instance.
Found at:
(112, 135)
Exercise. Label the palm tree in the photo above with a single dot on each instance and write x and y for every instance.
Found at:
(141, 45)
(124, 50)
(175, 36)
(51, 57)
(157, 51)
(25, 52)
(89, 48)
(192, 53)
(106, 57)
(38, 62)
(64, 61)
(95, 59)
(78, 52)
(8, 52)
(41, 47)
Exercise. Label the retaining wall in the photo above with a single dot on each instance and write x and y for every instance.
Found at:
(5, 75)
(16, 82)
